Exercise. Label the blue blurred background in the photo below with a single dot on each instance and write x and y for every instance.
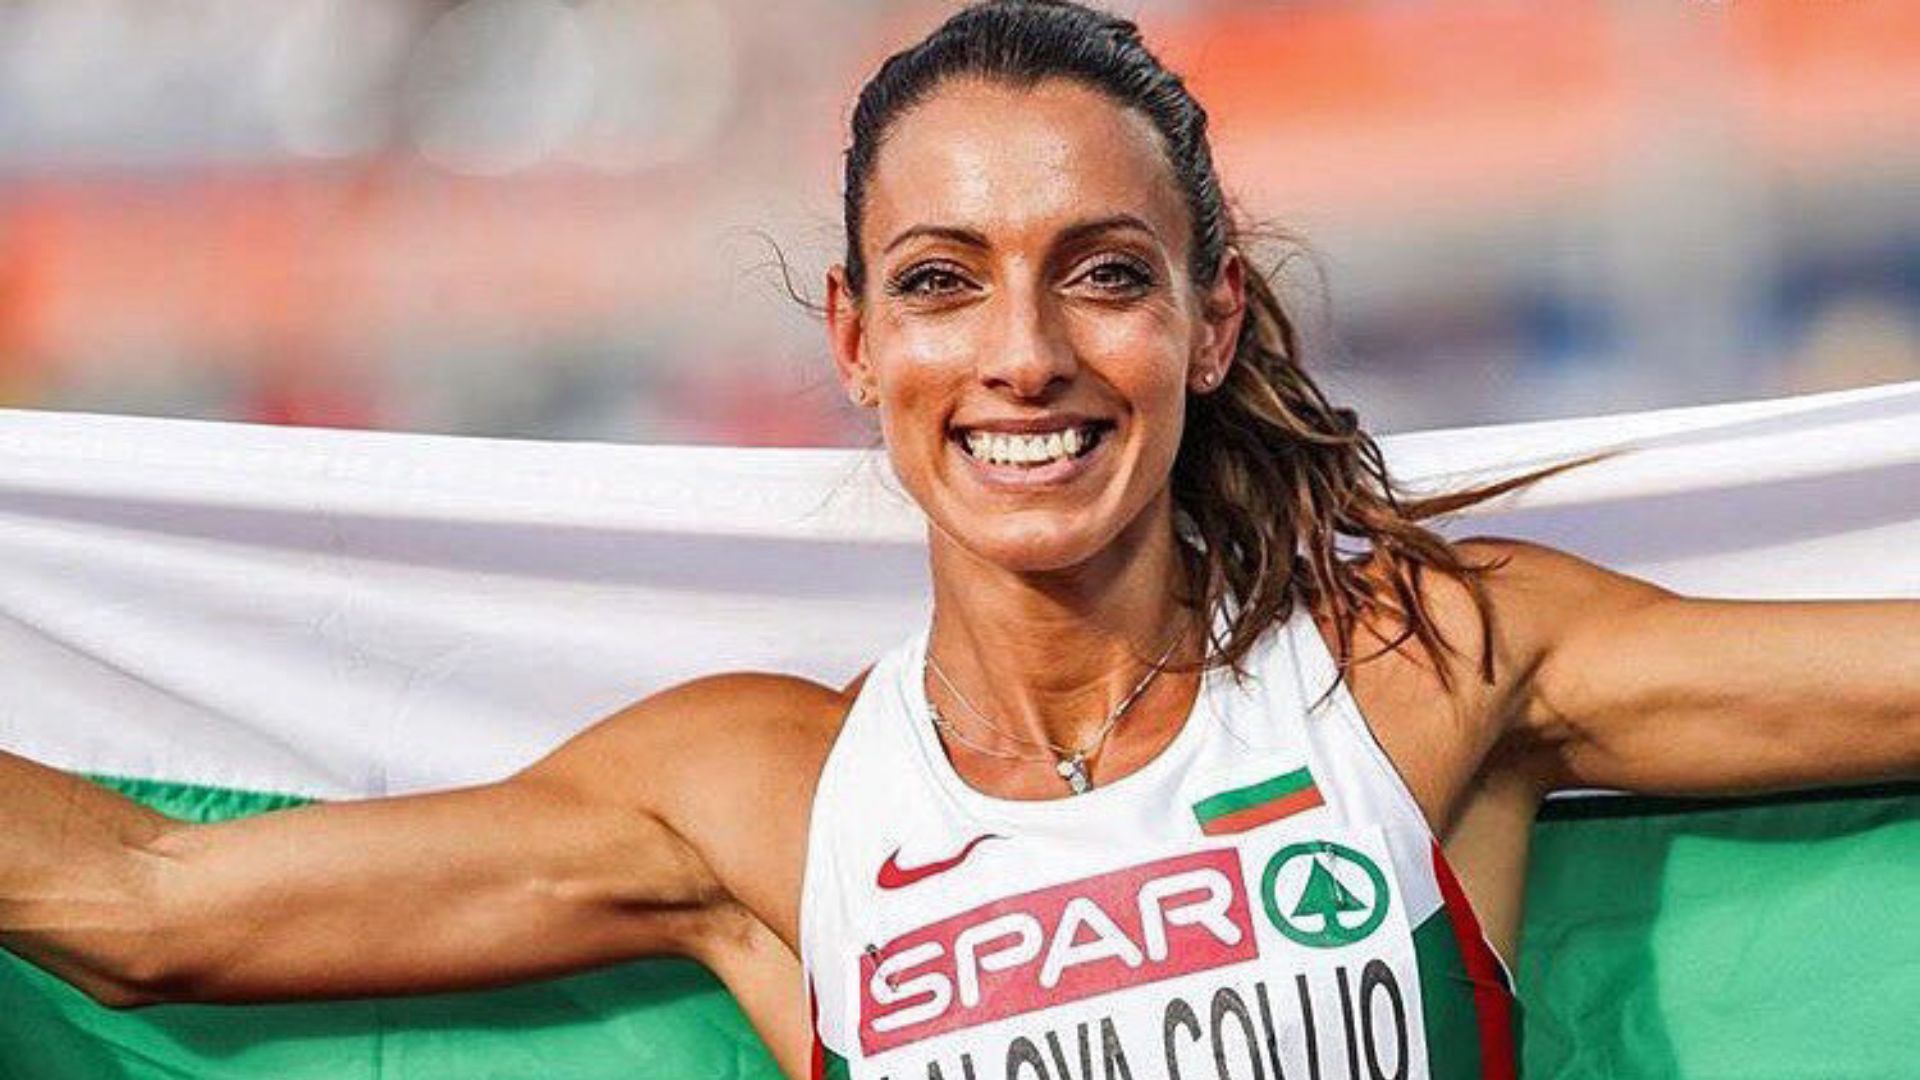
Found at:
(541, 218)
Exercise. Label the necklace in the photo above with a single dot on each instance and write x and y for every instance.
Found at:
(1070, 763)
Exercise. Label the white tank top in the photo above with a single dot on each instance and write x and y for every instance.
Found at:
(1263, 899)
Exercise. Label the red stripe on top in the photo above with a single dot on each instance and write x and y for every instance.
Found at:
(1492, 997)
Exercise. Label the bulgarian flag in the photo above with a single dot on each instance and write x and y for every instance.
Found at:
(225, 619)
(1243, 808)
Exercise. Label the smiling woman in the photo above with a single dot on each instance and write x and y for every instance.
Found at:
(1032, 284)
(1134, 793)
(1049, 226)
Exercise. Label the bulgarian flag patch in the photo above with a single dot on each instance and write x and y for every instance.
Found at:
(1242, 808)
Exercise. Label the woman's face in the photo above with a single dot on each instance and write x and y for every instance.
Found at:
(1028, 324)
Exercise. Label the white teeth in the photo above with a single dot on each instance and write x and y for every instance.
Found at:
(1003, 449)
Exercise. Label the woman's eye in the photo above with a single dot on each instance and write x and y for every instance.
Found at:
(927, 281)
(1118, 275)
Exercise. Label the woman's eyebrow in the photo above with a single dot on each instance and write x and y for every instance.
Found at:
(958, 235)
(1081, 230)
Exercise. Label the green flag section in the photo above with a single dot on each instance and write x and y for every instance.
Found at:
(1755, 939)
(1775, 937)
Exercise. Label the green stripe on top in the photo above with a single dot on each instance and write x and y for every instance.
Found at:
(1242, 798)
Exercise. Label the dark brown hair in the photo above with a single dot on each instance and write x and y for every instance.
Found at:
(1269, 473)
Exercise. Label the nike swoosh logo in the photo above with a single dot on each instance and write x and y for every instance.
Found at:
(894, 876)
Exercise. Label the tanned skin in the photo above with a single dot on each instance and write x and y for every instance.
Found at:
(1028, 255)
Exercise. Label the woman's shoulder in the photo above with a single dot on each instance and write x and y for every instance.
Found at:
(762, 706)
(690, 739)
(1538, 592)
(1526, 585)
(1491, 626)
(756, 723)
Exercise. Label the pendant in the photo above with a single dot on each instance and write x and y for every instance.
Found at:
(1074, 771)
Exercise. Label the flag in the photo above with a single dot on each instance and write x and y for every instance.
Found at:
(1242, 808)
(223, 619)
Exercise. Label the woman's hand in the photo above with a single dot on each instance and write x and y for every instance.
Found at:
(1626, 685)
(589, 856)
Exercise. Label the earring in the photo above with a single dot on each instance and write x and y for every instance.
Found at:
(1207, 379)
(859, 396)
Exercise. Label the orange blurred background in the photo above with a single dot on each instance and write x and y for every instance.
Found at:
(530, 217)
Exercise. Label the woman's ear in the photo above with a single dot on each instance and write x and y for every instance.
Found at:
(1223, 308)
(843, 336)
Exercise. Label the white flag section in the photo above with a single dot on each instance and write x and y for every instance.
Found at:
(337, 614)
(341, 613)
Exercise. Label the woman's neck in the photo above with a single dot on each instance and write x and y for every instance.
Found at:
(1047, 656)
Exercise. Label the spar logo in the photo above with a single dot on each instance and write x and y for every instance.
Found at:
(1322, 894)
(1065, 943)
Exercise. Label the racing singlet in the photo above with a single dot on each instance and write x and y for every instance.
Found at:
(1261, 901)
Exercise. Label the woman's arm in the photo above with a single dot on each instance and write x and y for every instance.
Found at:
(1631, 686)
(572, 863)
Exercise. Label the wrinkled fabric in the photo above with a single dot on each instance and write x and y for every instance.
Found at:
(224, 619)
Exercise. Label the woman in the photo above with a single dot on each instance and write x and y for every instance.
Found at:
(1114, 807)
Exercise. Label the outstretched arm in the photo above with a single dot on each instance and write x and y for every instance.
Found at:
(575, 862)
(1631, 686)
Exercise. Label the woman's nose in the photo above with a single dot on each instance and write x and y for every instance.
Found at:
(1029, 355)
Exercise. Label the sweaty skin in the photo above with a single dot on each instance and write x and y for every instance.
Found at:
(1027, 265)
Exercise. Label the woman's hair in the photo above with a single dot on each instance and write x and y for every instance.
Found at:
(1268, 473)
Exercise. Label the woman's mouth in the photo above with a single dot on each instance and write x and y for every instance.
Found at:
(1028, 458)
(1032, 450)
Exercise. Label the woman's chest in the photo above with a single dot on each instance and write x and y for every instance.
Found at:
(1285, 925)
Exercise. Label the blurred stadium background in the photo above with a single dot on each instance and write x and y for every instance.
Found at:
(542, 218)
